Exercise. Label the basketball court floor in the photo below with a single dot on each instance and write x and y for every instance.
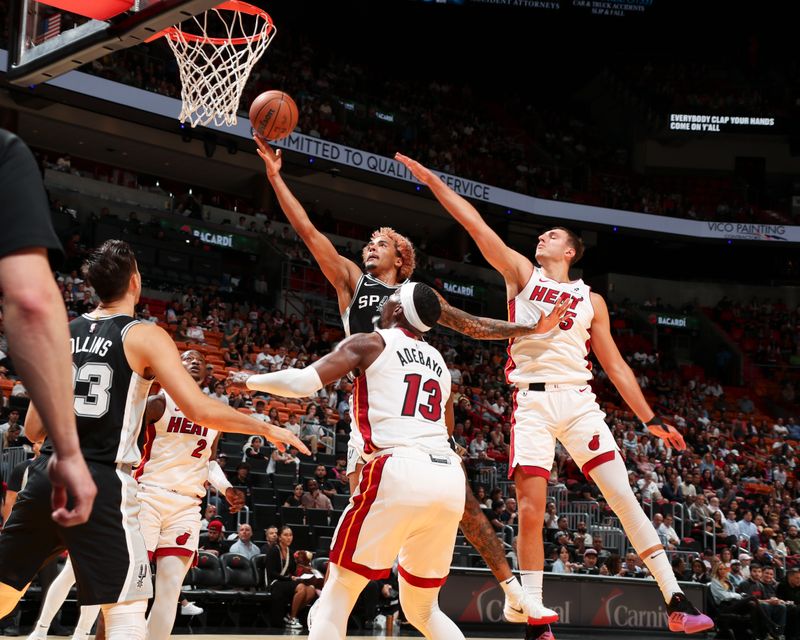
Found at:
(518, 633)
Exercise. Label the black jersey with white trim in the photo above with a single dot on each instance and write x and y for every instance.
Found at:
(110, 398)
(368, 299)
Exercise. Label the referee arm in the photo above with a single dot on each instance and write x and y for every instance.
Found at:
(36, 321)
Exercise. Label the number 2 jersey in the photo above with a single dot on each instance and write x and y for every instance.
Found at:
(110, 398)
(400, 399)
(559, 356)
(176, 453)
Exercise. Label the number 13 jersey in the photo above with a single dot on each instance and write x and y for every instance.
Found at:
(400, 399)
(176, 453)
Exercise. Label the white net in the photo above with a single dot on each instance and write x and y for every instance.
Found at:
(215, 59)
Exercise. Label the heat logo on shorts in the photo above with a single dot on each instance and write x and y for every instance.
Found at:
(594, 443)
(182, 539)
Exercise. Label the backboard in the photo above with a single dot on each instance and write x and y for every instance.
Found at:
(51, 37)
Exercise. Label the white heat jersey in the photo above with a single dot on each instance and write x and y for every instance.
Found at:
(560, 356)
(399, 401)
(176, 453)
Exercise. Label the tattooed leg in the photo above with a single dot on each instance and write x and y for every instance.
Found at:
(479, 532)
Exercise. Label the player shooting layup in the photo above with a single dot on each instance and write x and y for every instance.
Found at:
(388, 262)
(553, 399)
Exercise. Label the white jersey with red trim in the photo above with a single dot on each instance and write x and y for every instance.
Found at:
(176, 453)
(399, 401)
(561, 354)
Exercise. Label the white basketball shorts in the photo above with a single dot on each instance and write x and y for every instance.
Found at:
(409, 505)
(170, 522)
(568, 413)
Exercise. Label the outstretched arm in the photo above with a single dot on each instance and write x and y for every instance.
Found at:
(340, 272)
(515, 268)
(354, 353)
(622, 376)
(482, 328)
(150, 351)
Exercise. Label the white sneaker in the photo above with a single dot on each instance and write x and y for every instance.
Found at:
(293, 623)
(191, 609)
(311, 613)
(513, 608)
(538, 614)
(38, 633)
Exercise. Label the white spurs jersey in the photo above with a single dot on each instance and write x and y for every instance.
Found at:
(176, 453)
(560, 356)
(399, 401)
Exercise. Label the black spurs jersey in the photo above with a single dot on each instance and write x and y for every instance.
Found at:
(110, 398)
(368, 300)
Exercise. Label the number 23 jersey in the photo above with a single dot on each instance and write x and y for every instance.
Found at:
(400, 399)
(176, 453)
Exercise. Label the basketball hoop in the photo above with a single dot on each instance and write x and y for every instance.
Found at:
(216, 61)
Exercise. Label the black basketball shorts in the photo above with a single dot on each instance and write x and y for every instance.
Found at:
(108, 552)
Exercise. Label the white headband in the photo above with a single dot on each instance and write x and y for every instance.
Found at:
(409, 310)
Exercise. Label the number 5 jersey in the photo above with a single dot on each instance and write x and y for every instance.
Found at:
(399, 401)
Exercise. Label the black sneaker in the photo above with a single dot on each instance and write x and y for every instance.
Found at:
(685, 618)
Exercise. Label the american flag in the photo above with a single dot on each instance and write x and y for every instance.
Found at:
(52, 26)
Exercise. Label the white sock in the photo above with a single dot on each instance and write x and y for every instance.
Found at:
(532, 584)
(612, 479)
(512, 589)
(56, 594)
(89, 614)
(125, 620)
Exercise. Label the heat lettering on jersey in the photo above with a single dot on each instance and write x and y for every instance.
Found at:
(551, 296)
(177, 424)
(365, 301)
(407, 356)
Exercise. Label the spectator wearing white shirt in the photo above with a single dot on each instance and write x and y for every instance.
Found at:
(455, 373)
(666, 529)
(195, 331)
(731, 526)
(748, 528)
(261, 411)
(218, 393)
(478, 447)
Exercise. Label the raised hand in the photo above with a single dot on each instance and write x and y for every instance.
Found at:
(272, 159)
(421, 173)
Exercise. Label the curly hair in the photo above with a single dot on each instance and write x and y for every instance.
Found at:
(403, 247)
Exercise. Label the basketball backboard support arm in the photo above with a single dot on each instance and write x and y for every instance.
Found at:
(91, 40)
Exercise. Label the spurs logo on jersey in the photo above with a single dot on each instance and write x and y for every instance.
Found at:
(176, 453)
(561, 355)
(400, 398)
(368, 299)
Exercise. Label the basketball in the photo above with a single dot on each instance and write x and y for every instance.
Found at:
(273, 115)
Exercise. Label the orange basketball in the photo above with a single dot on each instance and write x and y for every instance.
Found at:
(273, 115)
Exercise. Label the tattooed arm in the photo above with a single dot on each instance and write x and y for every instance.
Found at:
(480, 328)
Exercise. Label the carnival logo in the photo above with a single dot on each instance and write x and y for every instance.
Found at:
(610, 614)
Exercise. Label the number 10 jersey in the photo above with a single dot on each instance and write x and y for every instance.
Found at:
(176, 453)
(399, 401)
